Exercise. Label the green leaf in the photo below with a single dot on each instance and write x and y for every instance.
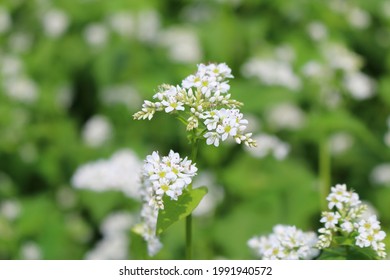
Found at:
(346, 252)
(175, 210)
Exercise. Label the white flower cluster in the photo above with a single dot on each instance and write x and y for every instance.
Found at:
(117, 173)
(347, 220)
(285, 243)
(167, 175)
(203, 98)
(115, 242)
(269, 145)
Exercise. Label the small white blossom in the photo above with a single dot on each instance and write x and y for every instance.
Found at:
(330, 219)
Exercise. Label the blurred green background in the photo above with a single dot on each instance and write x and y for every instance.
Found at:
(311, 74)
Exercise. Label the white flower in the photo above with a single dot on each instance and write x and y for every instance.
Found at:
(148, 26)
(285, 242)
(30, 251)
(286, 116)
(330, 219)
(5, 20)
(122, 23)
(97, 131)
(21, 89)
(55, 22)
(317, 31)
(347, 226)
(96, 34)
(340, 142)
(359, 85)
(182, 43)
(167, 175)
(120, 172)
(272, 72)
(269, 144)
(381, 174)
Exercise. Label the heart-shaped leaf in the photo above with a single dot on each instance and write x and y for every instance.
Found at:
(175, 210)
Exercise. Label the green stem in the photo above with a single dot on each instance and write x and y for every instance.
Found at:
(194, 152)
(324, 170)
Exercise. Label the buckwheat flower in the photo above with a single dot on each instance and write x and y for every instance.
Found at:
(5, 20)
(182, 44)
(122, 23)
(286, 116)
(97, 131)
(168, 175)
(285, 242)
(349, 220)
(381, 174)
(347, 227)
(55, 22)
(30, 250)
(359, 85)
(203, 103)
(330, 219)
(96, 34)
(115, 241)
(119, 172)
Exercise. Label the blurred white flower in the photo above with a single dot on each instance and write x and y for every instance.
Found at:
(122, 23)
(5, 20)
(21, 89)
(359, 85)
(97, 131)
(182, 43)
(358, 18)
(271, 72)
(10, 209)
(314, 69)
(120, 172)
(96, 34)
(285, 53)
(148, 23)
(317, 31)
(121, 95)
(115, 242)
(381, 174)
(269, 144)
(340, 142)
(11, 66)
(30, 251)
(339, 57)
(286, 116)
(285, 243)
(55, 22)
